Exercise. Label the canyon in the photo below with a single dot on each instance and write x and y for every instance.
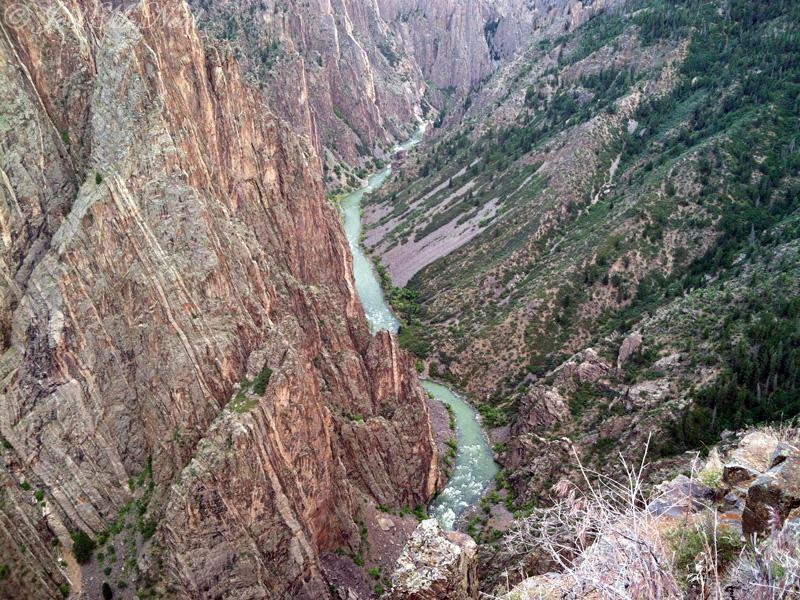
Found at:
(355, 76)
(580, 220)
(577, 249)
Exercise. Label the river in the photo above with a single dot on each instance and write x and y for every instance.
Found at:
(474, 467)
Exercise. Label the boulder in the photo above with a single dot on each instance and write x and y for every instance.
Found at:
(586, 366)
(773, 496)
(436, 565)
(541, 407)
(755, 451)
(733, 503)
(782, 452)
(735, 475)
(667, 363)
(629, 345)
(678, 497)
(592, 368)
(791, 527)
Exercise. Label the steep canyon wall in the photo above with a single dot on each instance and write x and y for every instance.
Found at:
(164, 238)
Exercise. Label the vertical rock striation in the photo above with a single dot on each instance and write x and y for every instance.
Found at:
(164, 236)
(333, 69)
(459, 43)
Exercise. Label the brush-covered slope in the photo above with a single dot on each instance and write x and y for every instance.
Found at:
(187, 376)
(607, 244)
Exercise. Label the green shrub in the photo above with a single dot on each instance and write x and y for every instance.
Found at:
(450, 412)
(148, 529)
(64, 589)
(710, 477)
(261, 381)
(106, 590)
(492, 416)
(603, 445)
(687, 542)
(82, 547)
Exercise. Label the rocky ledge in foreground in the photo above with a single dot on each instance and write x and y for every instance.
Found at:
(732, 525)
(436, 564)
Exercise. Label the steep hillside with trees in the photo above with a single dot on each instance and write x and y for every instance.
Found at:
(611, 236)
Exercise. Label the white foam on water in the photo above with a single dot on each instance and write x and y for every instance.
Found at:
(475, 466)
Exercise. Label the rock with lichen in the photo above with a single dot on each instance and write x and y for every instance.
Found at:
(436, 565)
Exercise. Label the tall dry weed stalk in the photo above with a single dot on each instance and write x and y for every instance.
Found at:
(604, 540)
(607, 545)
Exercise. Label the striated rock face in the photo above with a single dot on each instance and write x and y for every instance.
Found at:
(679, 497)
(333, 69)
(447, 38)
(351, 74)
(165, 236)
(436, 565)
(459, 43)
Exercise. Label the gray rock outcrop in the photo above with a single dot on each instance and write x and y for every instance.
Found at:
(436, 565)
(773, 496)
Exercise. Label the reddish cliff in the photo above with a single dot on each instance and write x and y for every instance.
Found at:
(333, 69)
(165, 236)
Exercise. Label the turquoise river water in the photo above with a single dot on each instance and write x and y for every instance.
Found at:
(474, 467)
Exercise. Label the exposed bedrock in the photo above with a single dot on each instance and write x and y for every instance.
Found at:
(164, 236)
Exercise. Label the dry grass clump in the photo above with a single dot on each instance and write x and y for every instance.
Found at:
(770, 570)
(606, 544)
